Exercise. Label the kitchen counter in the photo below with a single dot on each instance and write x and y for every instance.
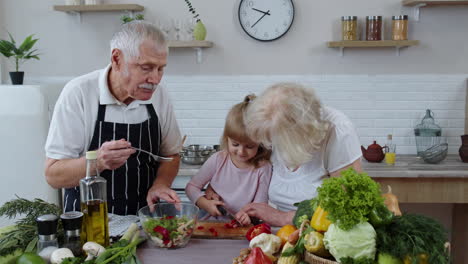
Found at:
(412, 181)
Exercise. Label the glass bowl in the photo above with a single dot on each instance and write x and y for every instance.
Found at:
(169, 225)
(435, 154)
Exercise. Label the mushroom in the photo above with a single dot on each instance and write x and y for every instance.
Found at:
(93, 250)
(60, 254)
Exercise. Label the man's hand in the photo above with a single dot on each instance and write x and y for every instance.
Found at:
(161, 191)
(113, 154)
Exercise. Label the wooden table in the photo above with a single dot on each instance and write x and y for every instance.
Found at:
(414, 181)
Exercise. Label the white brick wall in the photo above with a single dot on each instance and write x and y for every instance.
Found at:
(377, 104)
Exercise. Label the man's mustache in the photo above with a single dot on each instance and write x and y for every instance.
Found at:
(148, 86)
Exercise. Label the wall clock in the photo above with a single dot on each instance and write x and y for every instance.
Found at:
(266, 20)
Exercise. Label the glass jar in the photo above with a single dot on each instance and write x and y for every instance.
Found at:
(72, 222)
(400, 27)
(374, 28)
(47, 232)
(349, 29)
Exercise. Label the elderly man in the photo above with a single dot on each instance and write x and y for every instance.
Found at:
(112, 110)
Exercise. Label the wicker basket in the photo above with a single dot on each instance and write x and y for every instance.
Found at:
(313, 259)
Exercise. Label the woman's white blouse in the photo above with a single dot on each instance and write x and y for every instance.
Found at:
(340, 148)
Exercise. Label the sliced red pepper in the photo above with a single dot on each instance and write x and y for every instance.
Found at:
(232, 224)
(257, 230)
(200, 227)
(164, 233)
(169, 217)
(257, 256)
(212, 229)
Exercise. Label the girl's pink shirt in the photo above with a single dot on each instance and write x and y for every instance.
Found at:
(237, 187)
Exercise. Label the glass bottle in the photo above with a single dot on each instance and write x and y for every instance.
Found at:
(427, 133)
(349, 29)
(400, 27)
(374, 28)
(47, 231)
(94, 203)
(390, 151)
(72, 222)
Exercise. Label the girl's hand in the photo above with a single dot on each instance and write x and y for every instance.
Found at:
(243, 218)
(210, 194)
(209, 206)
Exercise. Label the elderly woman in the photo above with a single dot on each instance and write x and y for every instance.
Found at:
(309, 141)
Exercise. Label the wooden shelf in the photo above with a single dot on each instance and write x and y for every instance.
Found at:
(397, 44)
(371, 44)
(99, 8)
(434, 2)
(190, 44)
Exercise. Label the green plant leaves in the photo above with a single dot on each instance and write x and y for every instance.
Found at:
(21, 53)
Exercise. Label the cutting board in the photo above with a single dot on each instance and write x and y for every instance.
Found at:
(218, 230)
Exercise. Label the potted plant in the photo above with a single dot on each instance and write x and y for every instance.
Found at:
(20, 54)
(199, 31)
(125, 19)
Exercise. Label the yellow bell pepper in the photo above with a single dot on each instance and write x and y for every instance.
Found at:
(319, 220)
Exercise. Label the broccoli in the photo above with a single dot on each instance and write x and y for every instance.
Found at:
(305, 210)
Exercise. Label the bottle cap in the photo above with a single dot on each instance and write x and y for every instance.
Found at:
(47, 224)
(72, 220)
(91, 155)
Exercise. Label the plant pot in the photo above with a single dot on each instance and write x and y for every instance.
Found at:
(16, 77)
(199, 32)
(463, 151)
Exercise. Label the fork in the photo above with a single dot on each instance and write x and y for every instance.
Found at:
(155, 157)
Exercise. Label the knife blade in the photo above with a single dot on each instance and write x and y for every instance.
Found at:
(225, 212)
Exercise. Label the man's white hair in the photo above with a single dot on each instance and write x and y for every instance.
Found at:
(131, 35)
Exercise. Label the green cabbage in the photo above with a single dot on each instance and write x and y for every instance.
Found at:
(357, 243)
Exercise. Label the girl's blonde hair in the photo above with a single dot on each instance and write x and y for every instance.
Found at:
(288, 117)
(234, 128)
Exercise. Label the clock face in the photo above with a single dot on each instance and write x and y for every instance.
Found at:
(266, 20)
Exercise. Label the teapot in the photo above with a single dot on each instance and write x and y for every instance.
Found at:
(373, 153)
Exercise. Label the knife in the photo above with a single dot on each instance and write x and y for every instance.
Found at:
(224, 212)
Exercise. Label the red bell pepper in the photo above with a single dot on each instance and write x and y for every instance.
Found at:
(257, 256)
(164, 233)
(257, 230)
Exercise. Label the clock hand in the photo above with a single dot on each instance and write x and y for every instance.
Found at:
(267, 13)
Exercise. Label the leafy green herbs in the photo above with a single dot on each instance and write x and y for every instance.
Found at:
(350, 198)
(19, 237)
(411, 236)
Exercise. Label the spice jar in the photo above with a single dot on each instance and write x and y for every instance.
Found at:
(349, 28)
(374, 28)
(71, 222)
(47, 231)
(400, 27)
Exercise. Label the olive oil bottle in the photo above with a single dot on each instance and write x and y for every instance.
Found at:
(94, 203)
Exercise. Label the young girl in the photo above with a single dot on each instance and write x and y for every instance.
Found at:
(240, 173)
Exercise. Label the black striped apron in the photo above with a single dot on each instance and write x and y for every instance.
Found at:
(128, 185)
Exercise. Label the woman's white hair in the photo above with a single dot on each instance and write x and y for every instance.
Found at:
(131, 35)
(287, 116)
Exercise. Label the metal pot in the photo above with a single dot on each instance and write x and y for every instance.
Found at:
(196, 154)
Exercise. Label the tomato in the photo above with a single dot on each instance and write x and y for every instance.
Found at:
(284, 233)
(257, 256)
(257, 230)
(30, 258)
